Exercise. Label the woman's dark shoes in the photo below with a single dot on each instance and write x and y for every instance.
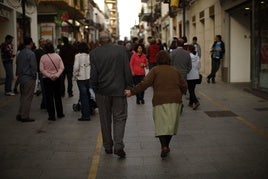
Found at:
(18, 117)
(120, 152)
(27, 120)
(84, 119)
(52, 119)
(195, 105)
(164, 152)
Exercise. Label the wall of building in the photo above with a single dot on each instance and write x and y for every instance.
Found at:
(205, 29)
(10, 27)
(239, 48)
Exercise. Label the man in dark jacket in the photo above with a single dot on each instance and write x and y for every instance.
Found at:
(38, 54)
(67, 54)
(110, 76)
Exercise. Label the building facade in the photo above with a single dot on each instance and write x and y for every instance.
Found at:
(113, 18)
(12, 24)
(241, 25)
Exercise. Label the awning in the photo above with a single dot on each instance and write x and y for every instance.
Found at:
(73, 12)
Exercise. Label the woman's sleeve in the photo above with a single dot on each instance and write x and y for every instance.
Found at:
(131, 63)
(76, 67)
(144, 84)
(60, 70)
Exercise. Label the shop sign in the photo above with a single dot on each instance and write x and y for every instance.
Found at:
(4, 12)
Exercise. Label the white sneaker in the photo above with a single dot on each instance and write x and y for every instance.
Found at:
(10, 94)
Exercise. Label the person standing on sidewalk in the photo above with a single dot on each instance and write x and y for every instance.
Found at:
(138, 62)
(153, 49)
(7, 55)
(81, 73)
(27, 69)
(217, 53)
(197, 46)
(110, 75)
(181, 59)
(168, 87)
(67, 54)
(192, 77)
(38, 54)
(51, 67)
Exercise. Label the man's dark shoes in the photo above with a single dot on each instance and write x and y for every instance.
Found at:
(138, 101)
(27, 120)
(120, 152)
(61, 116)
(142, 101)
(84, 119)
(108, 151)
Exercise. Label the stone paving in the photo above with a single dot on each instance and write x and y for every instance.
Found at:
(217, 146)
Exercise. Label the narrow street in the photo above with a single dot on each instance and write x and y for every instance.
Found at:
(226, 137)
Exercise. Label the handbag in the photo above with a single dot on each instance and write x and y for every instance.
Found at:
(199, 81)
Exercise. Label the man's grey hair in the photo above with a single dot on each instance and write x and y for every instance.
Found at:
(104, 36)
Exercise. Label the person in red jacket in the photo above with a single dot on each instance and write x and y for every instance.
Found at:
(138, 62)
(153, 49)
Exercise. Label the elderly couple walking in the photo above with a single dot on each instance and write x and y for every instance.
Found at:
(111, 80)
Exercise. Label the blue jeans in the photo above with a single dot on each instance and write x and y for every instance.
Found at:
(83, 86)
(9, 75)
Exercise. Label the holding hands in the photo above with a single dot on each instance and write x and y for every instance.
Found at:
(127, 93)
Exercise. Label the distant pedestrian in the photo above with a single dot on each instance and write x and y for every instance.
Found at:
(185, 43)
(51, 67)
(67, 54)
(173, 45)
(153, 49)
(110, 75)
(27, 69)
(7, 55)
(129, 49)
(217, 53)
(181, 59)
(197, 47)
(81, 73)
(192, 77)
(59, 45)
(138, 62)
(168, 87)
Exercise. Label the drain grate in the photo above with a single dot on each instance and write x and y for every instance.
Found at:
(261, 109)
(220, 113)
